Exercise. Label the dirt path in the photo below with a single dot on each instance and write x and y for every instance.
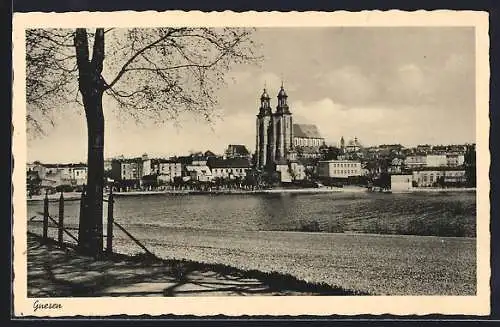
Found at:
(56, 272)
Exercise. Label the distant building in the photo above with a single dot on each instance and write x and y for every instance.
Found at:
(229, 168)
(198, 172)
(108, 164)
(308, 151)
(166, 170)
(60, 174)
(307, 135)
(426, 160)
(353, 146)
(291, 171)
(416, 161)
(436, 160)
(146, 166)
(455, 160)
(439, 149)
(37, 167)
(126, 169)
(391, 147)
(424, 148)
(237, 151)
(339, 169)
(438, 176)
(396, 166)
(401, 183)
(80, 174)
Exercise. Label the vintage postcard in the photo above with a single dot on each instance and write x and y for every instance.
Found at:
(273, 163)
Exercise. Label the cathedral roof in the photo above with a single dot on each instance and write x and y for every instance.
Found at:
(306, 130)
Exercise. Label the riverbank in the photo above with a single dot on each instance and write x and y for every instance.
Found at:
(442, 190)
(55, 196)
(238, 192)
(56, 272)
(321, 190)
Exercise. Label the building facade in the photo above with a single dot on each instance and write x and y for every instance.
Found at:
(166, 170)
(401, 183)
(455, 160)
(291, 171)
(438, 176)
(416, 161)
(436, 160)
(60, 174)
(126, 169)
(307, 135)
(199, 173)
(339, 168)
(235, 168)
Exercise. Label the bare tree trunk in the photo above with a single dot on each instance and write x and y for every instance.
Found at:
(91, 87)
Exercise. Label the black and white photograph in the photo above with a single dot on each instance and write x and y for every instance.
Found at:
(205, 158)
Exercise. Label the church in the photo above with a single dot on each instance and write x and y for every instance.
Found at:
(274, 144)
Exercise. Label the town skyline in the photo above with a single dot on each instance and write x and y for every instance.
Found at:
(423, 93)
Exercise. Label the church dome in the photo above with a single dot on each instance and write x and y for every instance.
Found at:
(264, 95)
(282, 92)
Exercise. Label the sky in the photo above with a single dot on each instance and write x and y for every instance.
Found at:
(407, 85)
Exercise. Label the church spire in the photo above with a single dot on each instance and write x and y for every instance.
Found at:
(265, 104)
(282, 100)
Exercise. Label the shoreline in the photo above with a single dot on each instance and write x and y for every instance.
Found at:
(437, 190)
(235, 192)
(322, 190)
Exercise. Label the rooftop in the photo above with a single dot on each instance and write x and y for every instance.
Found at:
(228, 163)
(306, 130)
(71, 165)
(238, 149)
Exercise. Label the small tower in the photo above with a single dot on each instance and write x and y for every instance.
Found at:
(342, 143)
(263, 127)
(282, 101)
(282, 126)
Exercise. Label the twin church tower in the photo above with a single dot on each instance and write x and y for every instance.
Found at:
(274, 131)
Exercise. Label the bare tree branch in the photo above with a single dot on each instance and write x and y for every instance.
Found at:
(161, 71)
(131, 59)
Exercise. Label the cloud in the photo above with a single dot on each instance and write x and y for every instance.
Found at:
(381, 124)
(458, 63)
(410, 84)
(349, 85)
(412, 77)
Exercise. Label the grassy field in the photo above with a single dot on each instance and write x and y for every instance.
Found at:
(407, 215)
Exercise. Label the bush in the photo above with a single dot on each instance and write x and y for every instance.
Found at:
(312, 226)
(64, 188)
